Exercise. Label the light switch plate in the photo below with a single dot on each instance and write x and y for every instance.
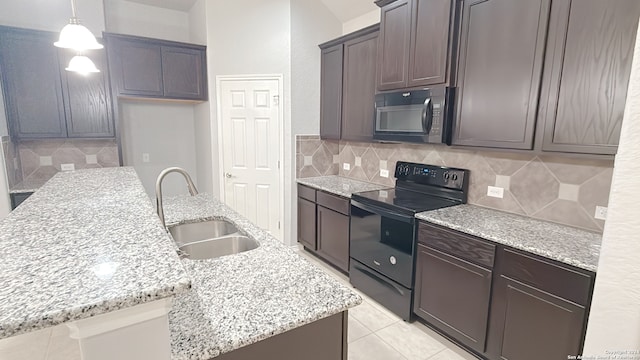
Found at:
(384, 173)
(346, 166)
(495, 191)
(145, 157)
(601, 213)
(67, 167)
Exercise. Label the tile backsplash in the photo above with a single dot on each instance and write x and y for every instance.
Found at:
(39, 160)
(554, 188)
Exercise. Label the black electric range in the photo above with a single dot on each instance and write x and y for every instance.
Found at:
(383, 230)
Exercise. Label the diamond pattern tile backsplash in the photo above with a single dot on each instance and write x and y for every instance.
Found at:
(39, 160)
(554, 188)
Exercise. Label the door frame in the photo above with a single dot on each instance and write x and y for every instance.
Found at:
(281, 140)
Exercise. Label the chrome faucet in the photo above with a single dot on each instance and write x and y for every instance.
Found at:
(192, 189)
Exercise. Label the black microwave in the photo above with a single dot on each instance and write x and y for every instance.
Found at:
(421, 116)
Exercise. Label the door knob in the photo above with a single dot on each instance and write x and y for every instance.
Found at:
(228, 175)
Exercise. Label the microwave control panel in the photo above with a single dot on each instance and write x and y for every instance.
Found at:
(438, 176)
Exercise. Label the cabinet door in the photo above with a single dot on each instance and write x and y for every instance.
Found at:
(333, 237)
(359, 87)
(453, 295)
(307, 223)
(499, 72)
(393, 47)
(32, 85)
(136, 67)
(87, 99)
(184, 73)
(430, 24)
(590, 50)
(533, 324)
(331, 92)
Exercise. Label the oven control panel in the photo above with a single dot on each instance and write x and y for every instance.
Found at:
(439, 176)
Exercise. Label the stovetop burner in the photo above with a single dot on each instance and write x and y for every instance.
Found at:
(407, 200)
(420, 187)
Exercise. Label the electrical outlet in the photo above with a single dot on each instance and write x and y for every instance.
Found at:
(346, 166)
(67, 167)
(384, 173)
(601, 213)
(145, 157)
(495, 191)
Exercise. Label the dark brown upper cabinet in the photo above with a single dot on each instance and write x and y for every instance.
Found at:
(32, 85)
(331, 92)
(152, 68)
(359, 87)
(588, 65)
(348, 71)
(87, 99)
(45, 101)
(415, 42)
(499, 70)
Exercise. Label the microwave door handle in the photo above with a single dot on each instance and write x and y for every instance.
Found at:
(427, 116)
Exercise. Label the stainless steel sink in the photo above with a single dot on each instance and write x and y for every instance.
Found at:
(217, 247)
(204, 230)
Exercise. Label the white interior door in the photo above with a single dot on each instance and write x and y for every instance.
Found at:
(250, 138)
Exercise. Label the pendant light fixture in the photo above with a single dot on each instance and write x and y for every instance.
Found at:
(77, 37)
(82, 64)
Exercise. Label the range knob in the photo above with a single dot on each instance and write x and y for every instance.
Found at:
(446, 176)
(454, 177)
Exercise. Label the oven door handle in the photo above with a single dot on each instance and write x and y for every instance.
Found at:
(383, 212)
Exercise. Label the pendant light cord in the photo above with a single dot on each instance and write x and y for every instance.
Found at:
(73, 9)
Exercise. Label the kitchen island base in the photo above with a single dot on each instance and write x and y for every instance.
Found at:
(138, 332)
(325, 339)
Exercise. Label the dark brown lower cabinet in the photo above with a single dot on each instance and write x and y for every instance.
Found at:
(539, 308)
(333, 237)
(453, 295)
(499, 302)
(307, 223)
(325, 339)
(534, 324)
(323, 225)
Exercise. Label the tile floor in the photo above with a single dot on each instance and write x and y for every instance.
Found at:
(377, 334)
(374, 334)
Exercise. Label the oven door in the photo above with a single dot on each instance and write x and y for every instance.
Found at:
(383, 240)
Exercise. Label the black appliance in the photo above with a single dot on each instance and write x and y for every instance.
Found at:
(422, 116)
(383, 230)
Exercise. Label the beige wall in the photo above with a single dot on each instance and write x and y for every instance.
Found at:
(362, 21)
(126, 17)
(164, 130)
(51, 15)
(614, 321)
(560, 189)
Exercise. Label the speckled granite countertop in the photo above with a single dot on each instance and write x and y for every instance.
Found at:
(88, 242)
(339, 185)
(571, 246)
(27, 186)
(244, 298)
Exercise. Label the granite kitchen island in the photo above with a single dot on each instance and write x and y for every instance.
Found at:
(88, 246)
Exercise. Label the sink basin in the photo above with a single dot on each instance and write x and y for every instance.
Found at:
(213, 248)
(204, 230)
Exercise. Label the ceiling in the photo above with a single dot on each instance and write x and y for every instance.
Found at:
(180, 5)
(344, 10)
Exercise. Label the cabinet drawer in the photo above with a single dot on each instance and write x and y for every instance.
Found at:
(306, 192)
(333, 202)
(457, 244)
(561, 281)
